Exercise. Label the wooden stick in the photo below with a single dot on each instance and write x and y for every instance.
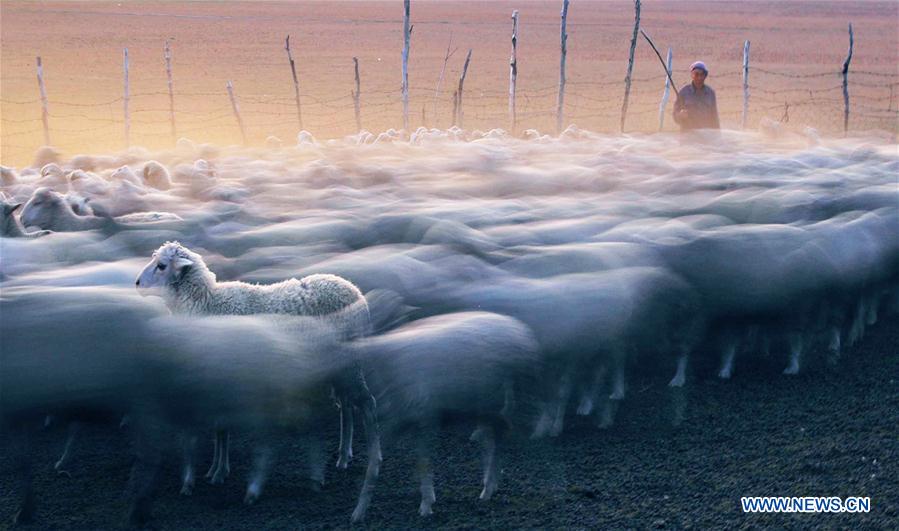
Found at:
(45, 113)
(168, 73)
(407, 32)
(666, 93)
(630, 63)
(846, 82)
(126, 99)
(563, 43)
(745, 85)
(662, 61)
(296, 82)
(459, 91)
(446, 58)
(513, 73)
(236, 108)
(356, 105)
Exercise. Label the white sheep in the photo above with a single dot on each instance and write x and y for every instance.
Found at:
(157, 176)
(8, 176)
(52, 211)
(10, 226)
(474, 365)
(189, 287)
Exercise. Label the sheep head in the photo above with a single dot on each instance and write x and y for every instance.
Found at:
(168, 268)
(43, 207)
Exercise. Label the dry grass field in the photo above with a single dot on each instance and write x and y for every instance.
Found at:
(81, 45)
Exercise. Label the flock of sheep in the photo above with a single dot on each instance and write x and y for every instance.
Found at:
(501, 282)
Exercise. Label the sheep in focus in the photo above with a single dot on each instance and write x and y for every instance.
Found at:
(188, 287)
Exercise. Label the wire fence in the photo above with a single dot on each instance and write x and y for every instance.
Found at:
(812, 99)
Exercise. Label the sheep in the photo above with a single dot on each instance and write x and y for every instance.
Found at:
(10, 226)
(156, 175)
(586, 324)
(285, 383)
(187, 286)
(475, 365)
(46, 155)
(76, 373)
(52, 211)
(49, 210)
(8, 176)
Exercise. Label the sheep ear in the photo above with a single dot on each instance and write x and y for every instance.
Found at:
(181, 263)
(13, 207)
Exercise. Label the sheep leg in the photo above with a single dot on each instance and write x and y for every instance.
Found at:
(316, 455)
(561, 403)
(65, 459)
(425, 474)
(223, 469)
(587, 400)
(489, 438)
(508, 399)
(871, 314)
(607, 417)
(345, 450)
(680, 376)
(727, 358)
(188, 473)
(795, 339)
(216, 456)
(834, 345)
(262, 463)
(373, 438)
(857, 330)
(618, 381)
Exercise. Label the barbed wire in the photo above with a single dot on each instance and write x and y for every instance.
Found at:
(587, 101)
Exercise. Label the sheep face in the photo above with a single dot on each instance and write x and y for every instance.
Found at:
(169, 265)
(43, 207)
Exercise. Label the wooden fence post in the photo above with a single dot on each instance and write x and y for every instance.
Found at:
(167, 52)
(356, 105)
(45, 113)
(236, 110)
(296, 82)
(745, 85)
(666, 94)
(513, 72)
(459, 91)
(455, 106)
(630, 63)
(126, 100)
(563, 40)
(846, 83)
(407, 31)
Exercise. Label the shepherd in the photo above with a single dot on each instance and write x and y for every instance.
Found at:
(696, 106)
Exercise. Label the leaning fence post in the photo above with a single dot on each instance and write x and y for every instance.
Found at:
(455, 106)
(666, 93)
(356, 107)
(236, 110)
(513, 71)
(563, 40)
(168, 73)
(126, 100)
(45, 114)
(846, 83)
(630, 63)
(296, 82)
(459, 91)
(406, 36)
(745, 85)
